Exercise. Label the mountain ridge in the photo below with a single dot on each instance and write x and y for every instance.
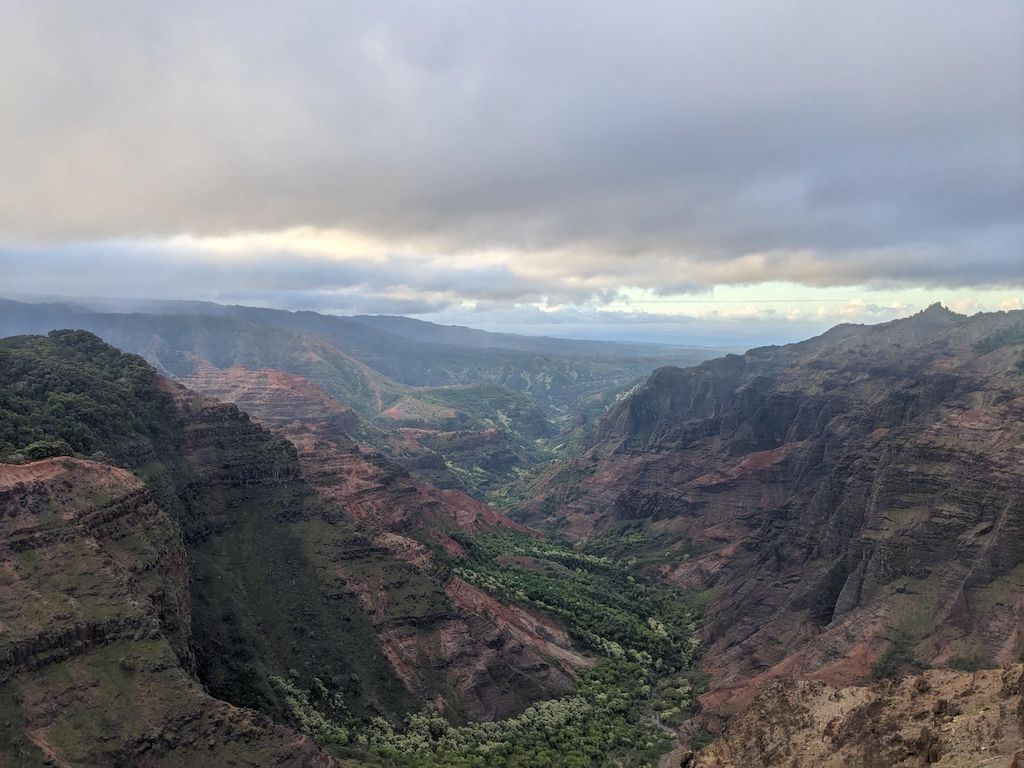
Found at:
(840, 500)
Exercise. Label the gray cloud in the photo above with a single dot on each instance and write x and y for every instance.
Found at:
(701, 132)
(290, 280)
(493, 296)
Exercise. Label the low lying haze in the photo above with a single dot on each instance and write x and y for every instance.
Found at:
(707, 171)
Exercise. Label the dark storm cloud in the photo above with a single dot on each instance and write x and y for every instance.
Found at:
(651, 143)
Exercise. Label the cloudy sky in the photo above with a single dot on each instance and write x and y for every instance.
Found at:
(680, 171)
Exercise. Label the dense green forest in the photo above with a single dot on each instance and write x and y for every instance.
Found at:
(70, 393)
(605, 607)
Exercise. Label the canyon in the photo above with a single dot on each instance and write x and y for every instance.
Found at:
(272, 559)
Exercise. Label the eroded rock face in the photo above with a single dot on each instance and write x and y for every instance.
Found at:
(90, 559)
(95, 632)
(379, 539)
(280, 398)
(831, 496)
(941, 717)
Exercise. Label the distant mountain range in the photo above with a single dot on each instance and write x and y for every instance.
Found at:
(177, 336)
(391, 371)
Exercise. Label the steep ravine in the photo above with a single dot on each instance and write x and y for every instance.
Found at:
(821, 513)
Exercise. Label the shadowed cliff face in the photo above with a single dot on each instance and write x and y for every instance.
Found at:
(834, 498)
(196, 553)
(95, 632)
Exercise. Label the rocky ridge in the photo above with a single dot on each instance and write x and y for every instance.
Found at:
(837, 500)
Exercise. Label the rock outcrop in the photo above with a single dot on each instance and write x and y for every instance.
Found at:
(941, 717)
(200, 553)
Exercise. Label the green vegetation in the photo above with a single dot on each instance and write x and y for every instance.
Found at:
(489, 405)
(605, 607)
(623, 712)
(605, 722)
(45, 449)
(480, 438)
(307, 716)
(69, 393)
(608, 720)
(639, 546)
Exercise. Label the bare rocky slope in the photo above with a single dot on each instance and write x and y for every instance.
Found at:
(941, 717)
(846, 504)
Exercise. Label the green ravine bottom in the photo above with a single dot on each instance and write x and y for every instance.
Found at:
(624, 711)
